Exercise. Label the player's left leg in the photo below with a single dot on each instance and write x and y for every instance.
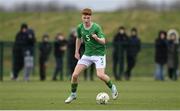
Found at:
(101, 75)
(100, 62)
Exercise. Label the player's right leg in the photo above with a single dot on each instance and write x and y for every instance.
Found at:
(74, 82)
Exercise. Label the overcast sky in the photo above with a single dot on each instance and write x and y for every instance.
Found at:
(98, 5)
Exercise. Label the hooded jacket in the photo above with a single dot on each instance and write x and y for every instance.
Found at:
(173, 46)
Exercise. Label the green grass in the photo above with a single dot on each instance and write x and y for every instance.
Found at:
(140, 93)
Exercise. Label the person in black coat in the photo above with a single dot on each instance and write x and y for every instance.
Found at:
(70, 53)
(134, 46)
(29, 48)
(44, 52)
(19, 51)
(60, 46)
(31, 40)
(120, 42)
(161, 49)
(172, 57)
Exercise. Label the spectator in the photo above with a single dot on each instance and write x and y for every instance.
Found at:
(30, 42)
(72, 61)
(161, 49)
(172, 60)
(60, 47)
(89, 73)
(119, 49)
(134, 46)
(18, 51)
(29, 53)
(45, 50)
(28, 65)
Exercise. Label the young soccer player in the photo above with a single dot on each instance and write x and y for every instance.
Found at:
(94, 40)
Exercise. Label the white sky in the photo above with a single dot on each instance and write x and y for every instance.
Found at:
(98, 5)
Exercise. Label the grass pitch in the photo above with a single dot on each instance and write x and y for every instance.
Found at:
(140, 93)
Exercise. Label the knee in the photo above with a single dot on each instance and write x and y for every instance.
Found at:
(74, 76)
(100, 76)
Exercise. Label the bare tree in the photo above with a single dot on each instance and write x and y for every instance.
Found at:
(175, 5)
(2, 8)
(146, 5)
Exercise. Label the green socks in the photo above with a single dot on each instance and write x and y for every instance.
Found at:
(109, 84)
(74, 87)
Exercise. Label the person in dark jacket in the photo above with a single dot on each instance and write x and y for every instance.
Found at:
(120, 42)
(89, 73)
(60, 47)
(134, 46)
(31, 40)
(28, 65)
(29, 54)
(44, 52)
(72, 61)
(172, 57)
(161, 48)
(19, 50)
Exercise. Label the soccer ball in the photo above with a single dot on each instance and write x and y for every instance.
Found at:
(102, 98)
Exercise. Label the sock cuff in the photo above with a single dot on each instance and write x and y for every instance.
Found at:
(109, 84)
(74, 87)
(74, 84)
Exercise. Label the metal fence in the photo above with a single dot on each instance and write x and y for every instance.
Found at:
(145, 65)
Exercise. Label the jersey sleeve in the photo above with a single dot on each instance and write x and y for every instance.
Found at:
(99, 32)
(78, 29)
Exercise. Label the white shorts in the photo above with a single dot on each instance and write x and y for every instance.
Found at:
(100, 61)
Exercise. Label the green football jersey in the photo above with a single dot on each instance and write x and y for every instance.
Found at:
(92, 47)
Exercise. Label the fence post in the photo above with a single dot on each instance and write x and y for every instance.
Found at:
(1, 60)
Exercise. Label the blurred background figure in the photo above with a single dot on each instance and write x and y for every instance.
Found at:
(29, 53)
(161, 48)
(89, 73)
(44, 53)
(18, 51)
(120, 43)
(134, 47)
(31, 40)
(172, 59)
(28, 65)
(60, 46)
(70, 53)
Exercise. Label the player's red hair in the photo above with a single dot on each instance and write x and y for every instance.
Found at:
(87, 11)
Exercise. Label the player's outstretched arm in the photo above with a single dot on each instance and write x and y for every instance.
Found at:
(78, 44)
